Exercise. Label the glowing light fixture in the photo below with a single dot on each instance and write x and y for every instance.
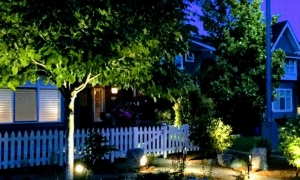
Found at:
(114, 90)
(143, 160)
(79, 168)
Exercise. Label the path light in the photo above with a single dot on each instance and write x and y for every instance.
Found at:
(79, 168)
(249, 166)
(143, 160)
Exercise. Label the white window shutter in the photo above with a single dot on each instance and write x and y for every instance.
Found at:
(49, 105)
(6, 106)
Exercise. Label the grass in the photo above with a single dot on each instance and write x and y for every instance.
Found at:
(244, 144)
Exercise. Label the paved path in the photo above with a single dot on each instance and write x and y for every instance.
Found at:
(217, 172)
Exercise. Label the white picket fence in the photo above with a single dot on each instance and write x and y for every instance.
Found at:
(41, 148)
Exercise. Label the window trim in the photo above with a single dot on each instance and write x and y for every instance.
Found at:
(189, 58)
(291, 103)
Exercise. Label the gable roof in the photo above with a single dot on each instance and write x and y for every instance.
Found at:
(199, 41)
(278, 30)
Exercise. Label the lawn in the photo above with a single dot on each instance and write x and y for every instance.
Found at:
(244, 144)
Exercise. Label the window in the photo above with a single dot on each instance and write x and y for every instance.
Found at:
(29, 105)
(98, 106)
(179, 61)
(290, 67)
(25, 105)
(189, 57)
(283, 102)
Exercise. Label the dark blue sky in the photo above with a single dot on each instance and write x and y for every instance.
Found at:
(288, 10)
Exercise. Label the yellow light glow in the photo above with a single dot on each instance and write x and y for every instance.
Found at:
(79, 168)
(143, 160)
(114, 90)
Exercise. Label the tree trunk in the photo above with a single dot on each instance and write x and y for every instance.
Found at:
(70, 140)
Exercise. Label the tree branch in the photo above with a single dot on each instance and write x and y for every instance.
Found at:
(83, 85)
(38, 63)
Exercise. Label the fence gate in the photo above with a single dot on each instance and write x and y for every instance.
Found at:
(163, 140)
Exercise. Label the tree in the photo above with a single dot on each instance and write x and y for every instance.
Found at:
(73, 43)
(236, 80)
(206, 131)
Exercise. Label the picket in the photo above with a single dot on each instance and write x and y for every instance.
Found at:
(41, 148)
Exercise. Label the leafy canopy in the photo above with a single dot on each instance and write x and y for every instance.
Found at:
(73, 43)
(236, 80)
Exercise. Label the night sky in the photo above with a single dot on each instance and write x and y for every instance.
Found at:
(288, 10)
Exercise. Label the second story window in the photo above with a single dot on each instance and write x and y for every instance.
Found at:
(290, 67)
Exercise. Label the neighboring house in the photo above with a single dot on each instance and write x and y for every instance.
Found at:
(31, 106)
(286, 102)
(198, 52)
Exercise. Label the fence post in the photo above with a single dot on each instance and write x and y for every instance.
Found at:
(112, 143)
(186, 135)
(135, 137)
(165, 128)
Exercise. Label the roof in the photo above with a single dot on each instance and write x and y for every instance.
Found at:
(278, 30)
(197, 40)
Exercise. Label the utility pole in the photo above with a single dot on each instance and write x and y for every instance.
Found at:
(269, 127)
(268, 64)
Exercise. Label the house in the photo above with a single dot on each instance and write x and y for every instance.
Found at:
(286, 103)
(198, 52)
(41, 106)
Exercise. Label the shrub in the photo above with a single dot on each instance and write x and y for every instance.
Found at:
(289, 141)
(95, 149)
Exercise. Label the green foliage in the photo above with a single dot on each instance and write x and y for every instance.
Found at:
(219, 134)
(289, 141)
(96, 148)
(211, 134)
(98, 42)
(165, 116)
(193, 105)
(236, 80)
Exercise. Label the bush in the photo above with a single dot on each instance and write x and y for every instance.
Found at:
(289, 141)
(95, 149)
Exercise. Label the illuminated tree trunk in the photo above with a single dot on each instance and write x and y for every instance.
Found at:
(70, 139)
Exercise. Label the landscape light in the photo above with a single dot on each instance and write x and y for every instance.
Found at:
(143, 160)
(79, 168)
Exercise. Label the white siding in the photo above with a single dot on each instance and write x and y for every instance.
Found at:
(49, 106)
(5, 106)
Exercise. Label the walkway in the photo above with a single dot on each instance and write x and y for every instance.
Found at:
(217, 172)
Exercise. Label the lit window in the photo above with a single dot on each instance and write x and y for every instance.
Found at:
(283, 101)
(29, 105)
